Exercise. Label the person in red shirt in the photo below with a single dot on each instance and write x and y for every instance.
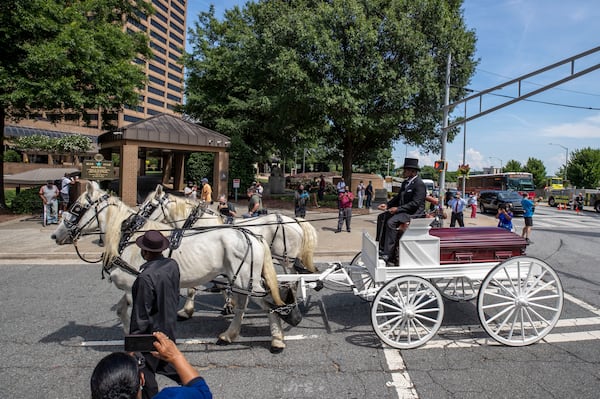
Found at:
(345, 212)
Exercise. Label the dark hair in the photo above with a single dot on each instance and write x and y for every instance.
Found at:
(115, 377)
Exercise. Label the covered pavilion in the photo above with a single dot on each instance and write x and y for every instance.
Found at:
(170, 139)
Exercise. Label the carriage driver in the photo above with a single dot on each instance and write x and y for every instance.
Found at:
(409, 203)
(155, 301)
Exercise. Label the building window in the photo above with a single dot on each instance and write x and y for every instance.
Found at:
(176, 28)
(154, 101)
(175, 37)
(174, 98)
(159, 59)
(177, 8)
(141, 15)
(174, 77)
(156, 80)
(160, 5)
(137, 24)
(161, 17)
(156, 69)
(129, 118)
(153, 111)
(175, 67)
(158, 26)
(156, 91)
(158, 48)
(174, 57)
(174, 88)
(171, 107)
(174, 47)
(137, 108)
(177, 18)
(139, 61)
(158, 37)
(182, 2)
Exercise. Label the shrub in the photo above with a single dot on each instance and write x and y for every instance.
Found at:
(12, 156)
(27, 201)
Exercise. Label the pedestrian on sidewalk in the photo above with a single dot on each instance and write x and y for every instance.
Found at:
(360, 191)
(49, 195)
(472, 202)
(345, 209)
(300, 199)
(369, 194)
(457, 204)
(578, 203)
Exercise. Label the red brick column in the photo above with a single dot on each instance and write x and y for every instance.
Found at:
(129, 174)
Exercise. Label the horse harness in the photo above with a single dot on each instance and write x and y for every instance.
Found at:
(77, 211)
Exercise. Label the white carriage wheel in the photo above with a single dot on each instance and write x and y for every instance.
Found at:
(362, 279)
(458, 288)
(520, 301)
(407, 312)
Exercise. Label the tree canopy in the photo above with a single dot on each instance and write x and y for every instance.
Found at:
(538, 170)
(68, 56)
(357, 74)
(584, 168)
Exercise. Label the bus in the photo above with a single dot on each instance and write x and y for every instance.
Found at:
(514, 181)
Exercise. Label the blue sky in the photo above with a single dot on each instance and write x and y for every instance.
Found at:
(514, 38)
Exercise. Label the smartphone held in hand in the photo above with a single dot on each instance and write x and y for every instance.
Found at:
(140, 343)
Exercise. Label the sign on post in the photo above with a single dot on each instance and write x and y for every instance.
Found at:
(98, 169)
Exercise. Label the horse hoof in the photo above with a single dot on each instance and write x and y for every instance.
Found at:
(276, 350)
(222, 342)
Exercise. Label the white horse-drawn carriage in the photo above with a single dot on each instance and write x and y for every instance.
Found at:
(519, 298)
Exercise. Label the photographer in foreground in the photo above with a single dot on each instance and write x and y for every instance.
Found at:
(117, 375)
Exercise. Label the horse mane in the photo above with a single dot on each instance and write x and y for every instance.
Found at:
(116, 214)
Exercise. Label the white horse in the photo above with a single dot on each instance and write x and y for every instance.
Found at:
(236, 253)
(292, 240)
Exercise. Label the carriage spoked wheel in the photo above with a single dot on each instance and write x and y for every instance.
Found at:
(366, 286)
(520, 301)
(458, 288)
(407, 312)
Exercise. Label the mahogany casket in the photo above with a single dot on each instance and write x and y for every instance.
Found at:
(478, 244)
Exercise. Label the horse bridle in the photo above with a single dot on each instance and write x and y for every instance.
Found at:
(77, 211)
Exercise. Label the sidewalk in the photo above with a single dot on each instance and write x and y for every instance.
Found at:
(27, 240)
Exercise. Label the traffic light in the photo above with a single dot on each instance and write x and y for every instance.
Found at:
(440, 165)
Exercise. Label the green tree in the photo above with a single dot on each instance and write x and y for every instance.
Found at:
(512, 166)
(584, 168)
(360, 74)
(199, 165)
(538, 170)
(67, 56)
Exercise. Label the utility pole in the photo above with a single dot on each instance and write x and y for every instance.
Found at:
(445, 130)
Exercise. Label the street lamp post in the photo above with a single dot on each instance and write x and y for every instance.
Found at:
(501, 167)
(388, 170)
(566, 157)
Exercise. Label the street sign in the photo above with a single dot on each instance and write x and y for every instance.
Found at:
(236, 183)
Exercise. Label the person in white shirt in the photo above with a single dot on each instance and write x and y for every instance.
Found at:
(457, 204)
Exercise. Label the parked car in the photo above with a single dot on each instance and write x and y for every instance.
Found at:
(490, 199)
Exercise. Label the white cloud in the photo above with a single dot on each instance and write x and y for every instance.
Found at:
(587, 128)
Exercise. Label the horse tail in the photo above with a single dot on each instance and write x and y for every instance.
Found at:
(309, 243)
(269, 275)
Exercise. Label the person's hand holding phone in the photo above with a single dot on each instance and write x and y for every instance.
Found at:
(165, 348)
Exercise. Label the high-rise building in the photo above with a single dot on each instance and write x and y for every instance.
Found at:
(166, 30)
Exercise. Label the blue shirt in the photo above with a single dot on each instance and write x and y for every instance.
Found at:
(195, 389)
(528, 207)
(457, 204)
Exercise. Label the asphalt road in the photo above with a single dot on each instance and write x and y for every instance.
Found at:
(57, 321)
